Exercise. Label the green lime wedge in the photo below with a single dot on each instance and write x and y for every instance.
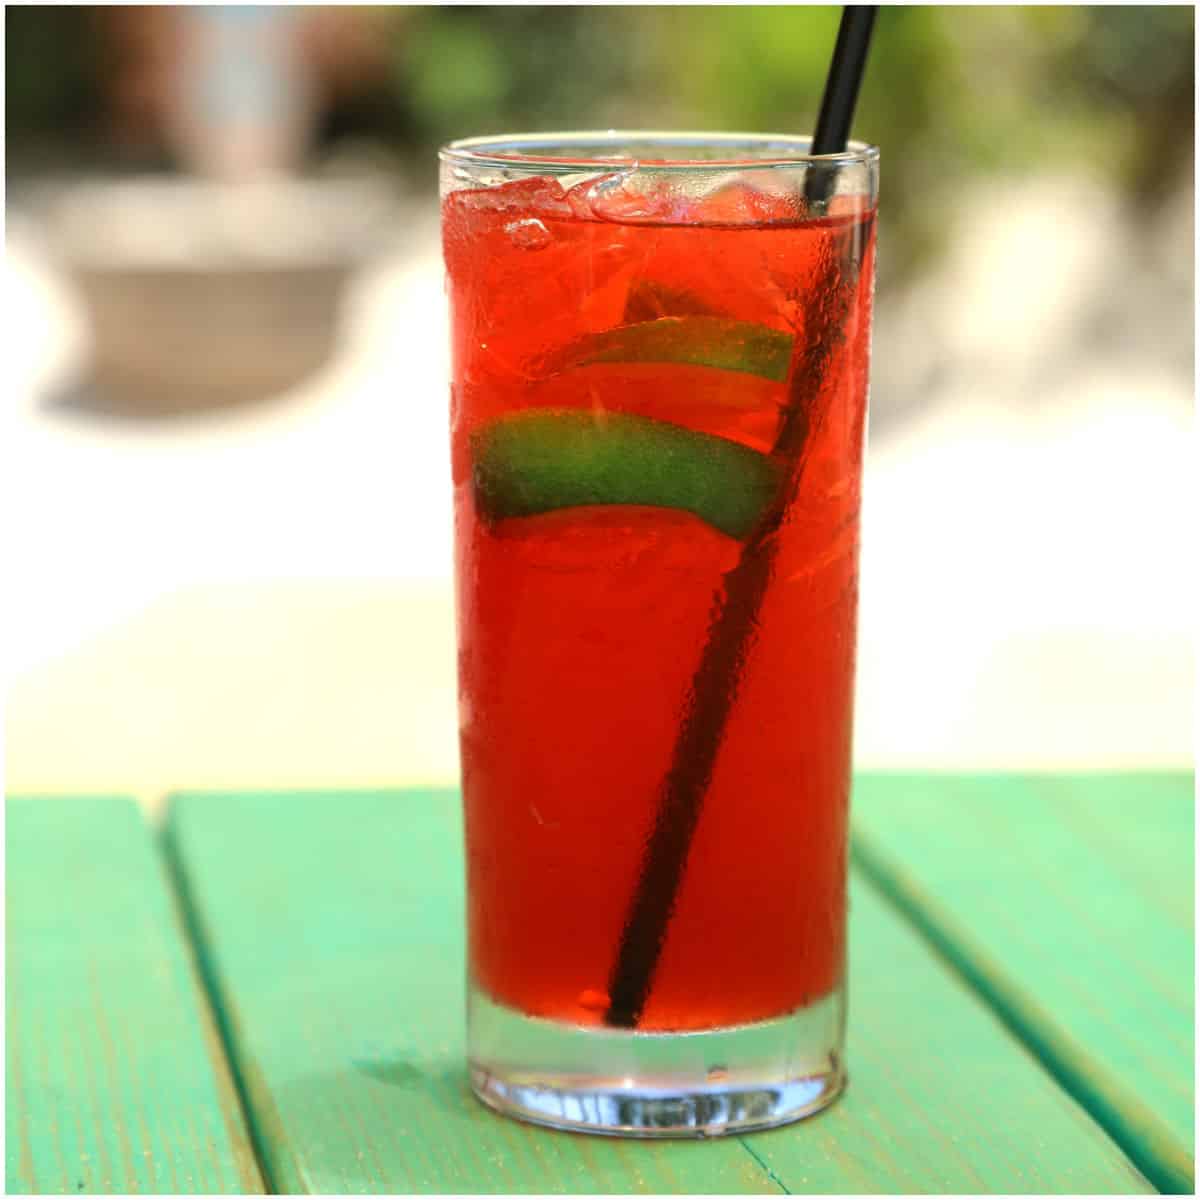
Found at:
(699, 340)
(539, 460)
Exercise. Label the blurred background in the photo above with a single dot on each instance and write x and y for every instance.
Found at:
(226, 463)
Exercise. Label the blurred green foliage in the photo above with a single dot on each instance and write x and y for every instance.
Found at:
(950, 91)
(50, 75)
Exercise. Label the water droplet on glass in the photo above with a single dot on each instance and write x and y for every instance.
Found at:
(593, 1000)
(529, 234)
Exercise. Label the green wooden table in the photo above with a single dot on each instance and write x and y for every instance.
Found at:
(266, 995)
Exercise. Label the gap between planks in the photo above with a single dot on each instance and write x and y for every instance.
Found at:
(198, 949)
(1137, 1130)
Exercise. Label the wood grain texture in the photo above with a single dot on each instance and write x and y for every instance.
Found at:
(1067, 901)
(330, 924)
(115, 1079)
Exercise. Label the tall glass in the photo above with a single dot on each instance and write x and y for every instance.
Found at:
(660, 348)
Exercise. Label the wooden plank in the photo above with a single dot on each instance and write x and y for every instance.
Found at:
(1068, 902)
(331, 928)
(115, 1079)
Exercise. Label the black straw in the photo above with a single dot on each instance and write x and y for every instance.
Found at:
(845, 78)
(841, 95)
(715, 684)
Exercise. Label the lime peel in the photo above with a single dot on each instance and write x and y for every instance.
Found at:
(704, 341)
(539, 460)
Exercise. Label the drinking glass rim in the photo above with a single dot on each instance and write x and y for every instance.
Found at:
(536, 150)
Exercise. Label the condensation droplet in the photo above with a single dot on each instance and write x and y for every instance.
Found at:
(529, 234)
(593, 1000)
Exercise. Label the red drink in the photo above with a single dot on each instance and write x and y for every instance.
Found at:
(581, 626)
(659, 396)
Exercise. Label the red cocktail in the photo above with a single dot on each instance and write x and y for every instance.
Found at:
(659, 396)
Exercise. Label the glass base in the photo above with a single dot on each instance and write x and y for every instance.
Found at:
(620, 1082)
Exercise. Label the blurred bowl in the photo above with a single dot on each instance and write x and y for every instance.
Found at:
(200, 294)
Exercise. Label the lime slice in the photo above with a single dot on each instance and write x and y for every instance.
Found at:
(700, 340)
(535, 461)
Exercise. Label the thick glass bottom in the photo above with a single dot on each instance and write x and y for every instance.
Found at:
(620, 1082)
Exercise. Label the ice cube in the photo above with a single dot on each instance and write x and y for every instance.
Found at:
(624, 196)
(540, 196)
(529, 233)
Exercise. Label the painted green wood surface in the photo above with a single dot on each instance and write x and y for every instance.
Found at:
(330, 925)
(1068, 902)
(115, 1078)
